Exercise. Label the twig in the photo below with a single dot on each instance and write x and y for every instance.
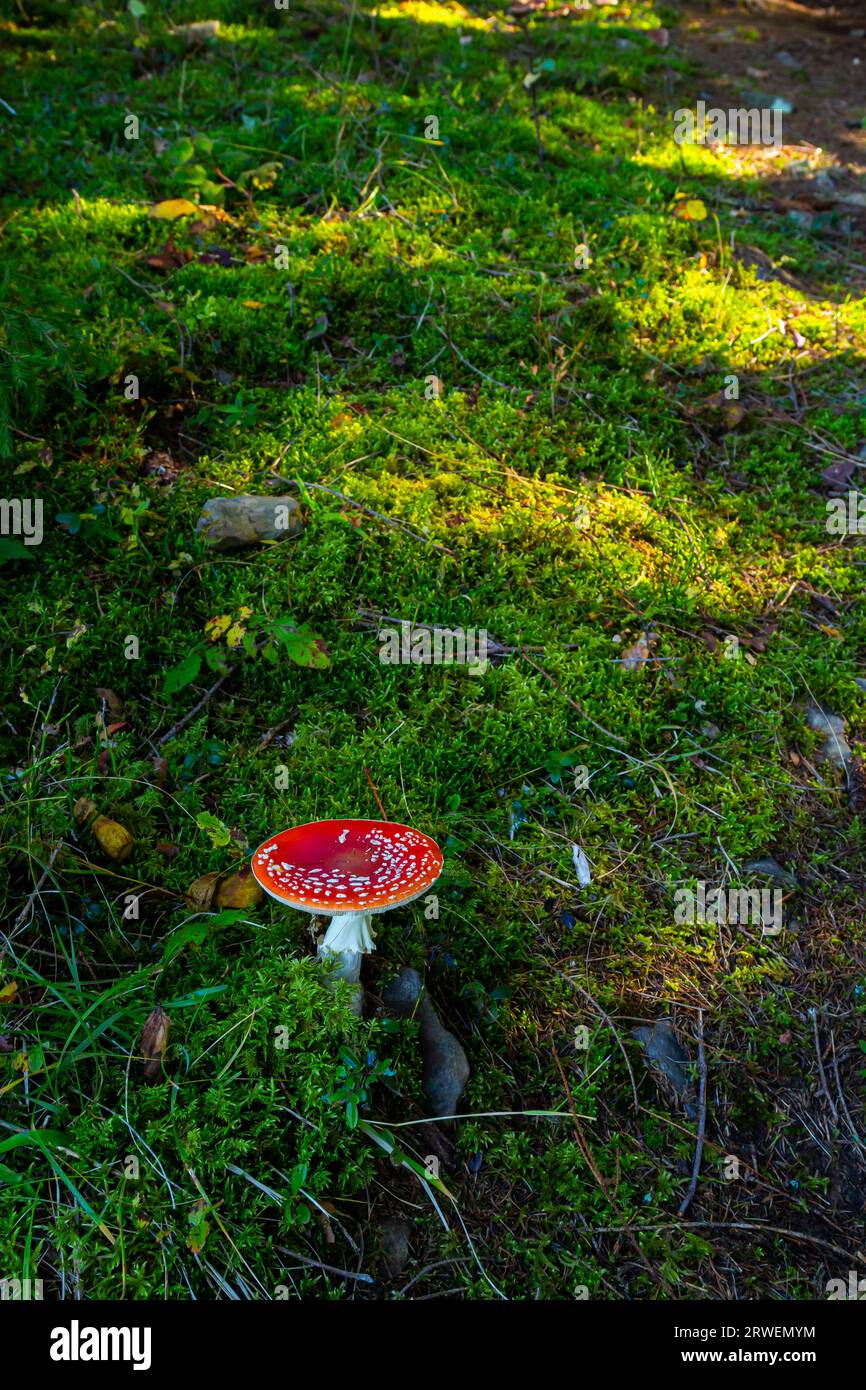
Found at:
(36, 891)
(861, 1149)
(265, 740)
(593, 1168)
(187, 718)
(726, 1226)
(375, 793)
(428, 1269)
(299, 483)
(813, 1014)
(541, 671)
(329, 1269)
(612, 1026)
(467, 363)
(702, 1118)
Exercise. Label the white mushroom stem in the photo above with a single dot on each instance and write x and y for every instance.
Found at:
(348, 938)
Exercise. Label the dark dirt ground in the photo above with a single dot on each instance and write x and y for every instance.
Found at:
(812, 55)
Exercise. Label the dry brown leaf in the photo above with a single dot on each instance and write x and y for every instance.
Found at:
(154, 1040)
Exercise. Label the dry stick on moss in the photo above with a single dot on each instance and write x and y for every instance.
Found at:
(467, 363)
(300, 484)
(702, 1118)
(813, 1014)
(428, 1269)
(36, 891)
(728, 1226)
(582, 712)
(329, 1269)
(187, 718)
(611, 1025)
(375, 793)
(860, 1149)
(271, 734)
(593, 1168)
(206, 697)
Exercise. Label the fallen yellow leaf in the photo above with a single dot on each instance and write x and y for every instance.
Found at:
(218, 214)
(173, 207)
(215, 627)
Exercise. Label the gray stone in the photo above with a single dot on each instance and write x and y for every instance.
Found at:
(445, 1069)
(401, 993)
(831, 727)
(227, 523)
(772, 869)
(667, 1058)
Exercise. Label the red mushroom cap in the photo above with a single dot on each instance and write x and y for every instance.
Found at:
(347, 865)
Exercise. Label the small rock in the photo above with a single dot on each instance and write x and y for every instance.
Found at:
(197, 31)
(227, 523)
(838, 475)
(772, 869)
(445, 1068)
(860, 683)
(659, 1042)
(401, 994)
(393, 1246)
(787, 60)
(835, 747)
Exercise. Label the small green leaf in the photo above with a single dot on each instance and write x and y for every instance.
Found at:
(298, 1178)
(220, 835)
(193, 934)
(196, 933)
(302, 645)
(217, 660)
(10, 549)
(181, 675)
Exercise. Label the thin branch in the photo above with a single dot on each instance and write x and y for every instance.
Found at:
(813, 1014)
(187, 718)
(702, 1118)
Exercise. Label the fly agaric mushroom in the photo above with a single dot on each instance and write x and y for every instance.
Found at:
(351, 869)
